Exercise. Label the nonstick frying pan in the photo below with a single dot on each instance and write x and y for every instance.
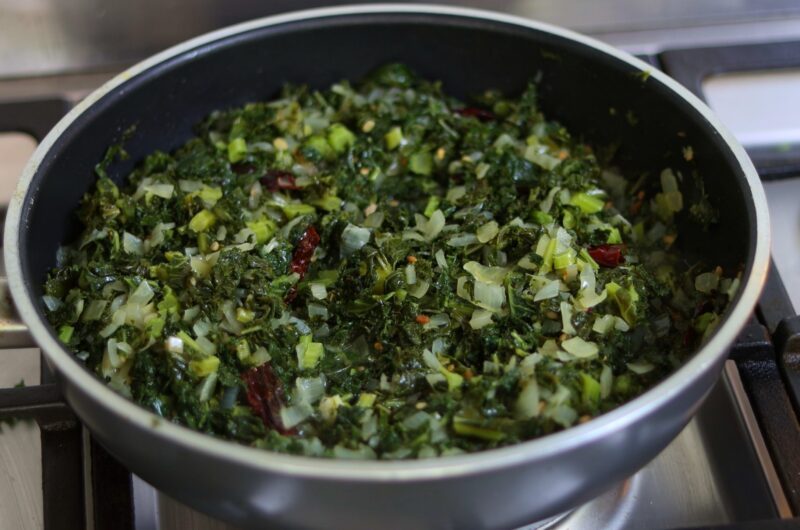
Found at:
(603, 94)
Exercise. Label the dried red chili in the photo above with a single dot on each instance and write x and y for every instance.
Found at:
(265, 395)
(607, 255)
(301, 258)
(276, 180)
(475, 112)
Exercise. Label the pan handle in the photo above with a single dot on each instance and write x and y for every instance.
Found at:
(13, 333)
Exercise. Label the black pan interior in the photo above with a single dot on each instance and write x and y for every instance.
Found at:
(579, 86)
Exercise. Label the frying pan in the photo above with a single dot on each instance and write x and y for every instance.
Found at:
(601, 93)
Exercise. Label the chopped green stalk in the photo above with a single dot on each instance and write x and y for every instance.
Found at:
(564, 260)
(366, 400)
(329, 203)
(614, 237)
(432, 206)
(587, 203)
(202, 221)
(308, 352)
(466, 427)
(245, 316)
(590, 390)
(293, 210)
(210, 195)
(421, 163)
(242, 349)
(237, 150)
(626, 299)
(394, 138)
(65, 333)
(539, 217)
(264, 229)
(340, 138)
(547, 262)
(204, 367)
(320, 145)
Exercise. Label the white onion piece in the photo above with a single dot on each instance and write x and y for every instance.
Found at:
(580, 348)
(549, 290)
(606, 380)
(132, 244)
(482, 273)
(640, 367)
(318, 290)
(527, 405)
(488, 296)
(353, 238)
(480, 319)
(566, 318)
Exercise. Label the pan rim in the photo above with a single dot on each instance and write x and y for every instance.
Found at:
(430, 469)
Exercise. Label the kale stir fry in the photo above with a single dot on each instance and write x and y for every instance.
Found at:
(381, 271)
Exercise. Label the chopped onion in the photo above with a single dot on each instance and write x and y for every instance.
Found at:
(706, 282)
(461, 288)
(206, 346)
(564, 415)
(431, 361)
(439, 320)
(411, 274)
(207, 386)
(440, 259)
(455, 193)
(549, 290)
(527, 405)
(173, 345)
(353, 238)
(482, 273)
(547, 203)
(419, 289)
(462, 240)
(538, 155)
(296, 414)
(488, 231)
(117, 320)
(374, 220)
(580, 348)
(640, 367)
(309, 390)
(190, 186)
(201, 327)
(433, 226)
(416, 420)
(489, 296)
(132, 244)
(566, 318)
(480, 319)
(364, 452)
(317, 310)
(606, 380)
(318, 290)
(51, 302)
(603, 324)
(160, 190)
(563, 240)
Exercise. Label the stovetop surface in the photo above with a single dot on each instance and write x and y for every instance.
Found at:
(718, 471)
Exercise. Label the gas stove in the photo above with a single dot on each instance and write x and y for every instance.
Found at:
(736, 465)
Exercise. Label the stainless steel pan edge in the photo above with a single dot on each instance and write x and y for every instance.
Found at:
(496, 488)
